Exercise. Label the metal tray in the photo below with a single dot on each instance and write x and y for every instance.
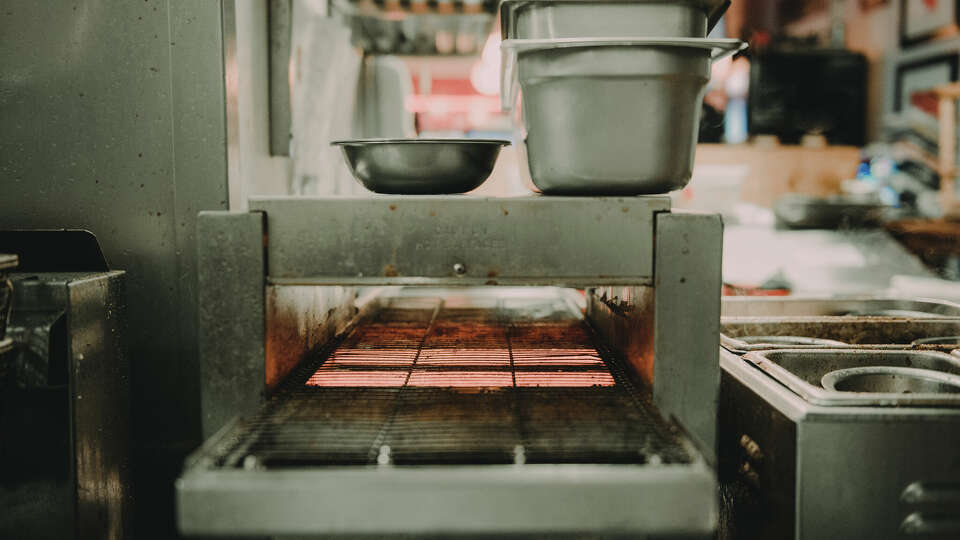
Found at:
(421, 166)
(845, 332)
(798, 211)
(535, 19)
(864, 306)
(802, 370)
(826, 319)
(630, 96)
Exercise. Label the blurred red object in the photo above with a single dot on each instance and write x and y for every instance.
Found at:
(730, 289)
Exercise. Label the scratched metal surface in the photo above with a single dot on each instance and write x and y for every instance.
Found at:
(464, 240)
(114, 121)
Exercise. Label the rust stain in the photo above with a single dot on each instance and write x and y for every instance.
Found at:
(491, 282)
(625, 209)
(492, 274)
(433, 213)
(393, 207)
(505, 211)
(390, 271)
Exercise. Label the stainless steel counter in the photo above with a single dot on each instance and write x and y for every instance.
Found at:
(817, 261)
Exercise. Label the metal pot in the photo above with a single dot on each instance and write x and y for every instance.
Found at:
(537, 19)
(613, 116)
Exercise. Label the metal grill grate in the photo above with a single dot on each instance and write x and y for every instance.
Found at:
(456, 386)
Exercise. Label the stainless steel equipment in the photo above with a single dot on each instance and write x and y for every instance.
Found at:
(537, 19)
(852, 322)
(819, 375)
(421, 166)
(464, 409)
(637, 99)
(805, 467)
(7, 263)
(798, 211)
(64, 409)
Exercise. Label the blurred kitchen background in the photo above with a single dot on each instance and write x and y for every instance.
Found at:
(829, 145)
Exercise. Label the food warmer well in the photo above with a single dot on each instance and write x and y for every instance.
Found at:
(839, 418)
(456, 365)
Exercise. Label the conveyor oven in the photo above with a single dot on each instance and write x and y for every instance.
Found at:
(456, 365)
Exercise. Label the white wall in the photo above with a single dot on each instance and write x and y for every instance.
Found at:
(259, 172)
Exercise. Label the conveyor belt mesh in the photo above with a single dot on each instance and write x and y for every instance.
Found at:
(456, 386)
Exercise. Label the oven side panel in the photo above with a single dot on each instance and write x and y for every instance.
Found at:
(670, 333)
(686, 342)
(902, 469)
(301, 320)
(230, 264)
(757, 456)
(100, 403)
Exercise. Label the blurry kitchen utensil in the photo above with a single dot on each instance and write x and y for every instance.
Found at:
(611, 116)
(798, 211)
(421, 166)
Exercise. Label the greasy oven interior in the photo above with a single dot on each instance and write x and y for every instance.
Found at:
(438, 365)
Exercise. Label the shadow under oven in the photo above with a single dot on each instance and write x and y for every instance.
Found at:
(440, 365)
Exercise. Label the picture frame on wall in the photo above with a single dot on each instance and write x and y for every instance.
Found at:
(925, 20)
(923, 75)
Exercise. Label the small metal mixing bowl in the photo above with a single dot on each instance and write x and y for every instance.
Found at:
(421, 166)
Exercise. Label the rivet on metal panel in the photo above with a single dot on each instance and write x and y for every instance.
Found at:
(749, 474)
(751, 448)
(519, 455)
(251, 463)
(459, 269)
(383, 457)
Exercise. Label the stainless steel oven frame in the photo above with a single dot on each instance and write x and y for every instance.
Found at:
(281, 280)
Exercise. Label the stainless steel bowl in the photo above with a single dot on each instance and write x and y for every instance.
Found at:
(868, 377)
(537, 19)
(613, 116)
(421, 166)
(891, 380)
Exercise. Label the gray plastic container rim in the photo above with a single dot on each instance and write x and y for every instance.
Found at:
(510, 49)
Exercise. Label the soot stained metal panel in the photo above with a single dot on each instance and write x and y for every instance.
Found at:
(463, 240)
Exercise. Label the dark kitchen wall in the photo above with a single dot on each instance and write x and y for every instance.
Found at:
(113, 120)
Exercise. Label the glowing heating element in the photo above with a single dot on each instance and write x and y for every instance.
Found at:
(465, 355)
